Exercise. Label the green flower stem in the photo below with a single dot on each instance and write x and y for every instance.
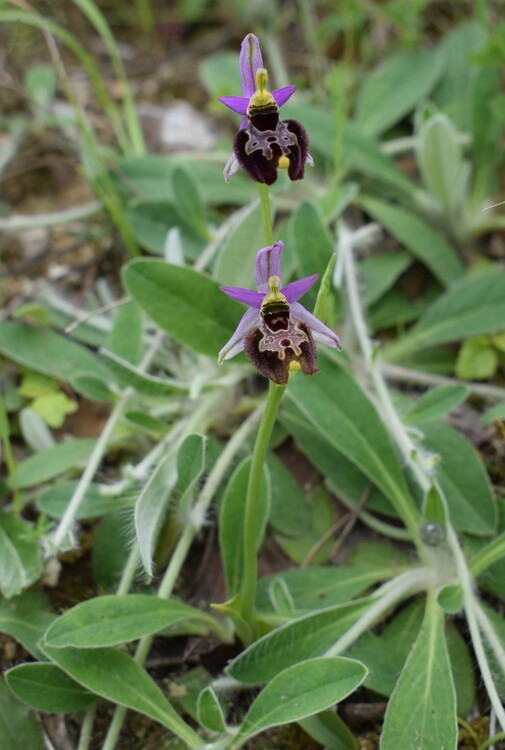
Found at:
(191, 529)
(249, 582)
(488, 555)
(265, 210)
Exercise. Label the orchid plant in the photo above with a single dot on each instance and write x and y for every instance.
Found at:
(311, 635)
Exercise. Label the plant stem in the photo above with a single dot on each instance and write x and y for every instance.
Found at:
(392, 592)
(5, 438)
(265, 210)
(488, 555)
(490, 634)
(249, 582)
(405, 375)
(404, 503)
(183, 545)
(495, 738)
(86, 729)
(98, 452)
(470, 605)
(16, 222)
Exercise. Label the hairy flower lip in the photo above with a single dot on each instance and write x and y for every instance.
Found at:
(251, 331)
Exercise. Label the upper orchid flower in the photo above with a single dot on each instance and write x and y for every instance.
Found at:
(264, 143)
(277, 333)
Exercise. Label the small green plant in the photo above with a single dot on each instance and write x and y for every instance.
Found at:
(412, 616)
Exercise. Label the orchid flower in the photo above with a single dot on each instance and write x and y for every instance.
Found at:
(277, 333)
(264, 143)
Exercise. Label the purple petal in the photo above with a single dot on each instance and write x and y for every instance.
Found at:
(231, 168)
(281, 96)
(251, 298)
(236, 343)
(309, 160)
(237, 104)
(268, 263)
(321, 333)
(297, 289)
(250, 60)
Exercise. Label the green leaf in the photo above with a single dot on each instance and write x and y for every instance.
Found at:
(322, 586)
(115, 676)
(462, 669)
(152, 506)
(125, 374)
(463, 479)
(111, 549)
(444, 171)
(436, 403)
(418, 237)
(210, 712)
(112, 619)
(26, 618)
(497, 411)
(47, 688)
(149, 177)
(52, 462)
(237, 253)
(393, 89)
(151, 222)
(290, 512)
(385, 654)
(360, 152)
(394, 309)
(381, 272)
(455, 90)
(473, 306)
(422, 708)
(185, 303)
(300, 691)
(19, 729)
(126, 335)
(498, 626)
(20, 556)
(192, 461)
(304, 638)
(343, 478)
(54, 501)
(231, 523)
(329, 730)
(40, 85)
(322, 518)
(477, 360)
(351, 425)
(189, 200)
(313, 244)
(45, 351)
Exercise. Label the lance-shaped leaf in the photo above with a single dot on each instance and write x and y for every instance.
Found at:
(46, 687)
(300, 691)
(185, 303)
(114, 675)
(111, 620)
(422, 708)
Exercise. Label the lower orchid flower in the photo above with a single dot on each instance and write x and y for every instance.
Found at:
(277, 333)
